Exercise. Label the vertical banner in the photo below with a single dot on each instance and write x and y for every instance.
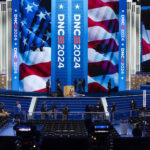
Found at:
(69, 41)
(79, 41)
(15, 45)
(122, 44)
(59, 42)
(144, 98)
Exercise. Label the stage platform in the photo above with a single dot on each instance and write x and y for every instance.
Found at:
(98, 94)
(8, 130)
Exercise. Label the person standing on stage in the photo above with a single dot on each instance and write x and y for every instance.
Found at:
(83, 85)
(137, 131)
(75, 85)
(132, 108)
(79, 85)
(113, 110)
(47, 87)
(16, 113)
(59, 90)
(19, 106)
(53, 112)
(2, 111)
(43, 111)
(109, 87)
(65, 112)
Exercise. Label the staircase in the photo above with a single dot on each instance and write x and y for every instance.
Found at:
(123, 104)
(74, 105)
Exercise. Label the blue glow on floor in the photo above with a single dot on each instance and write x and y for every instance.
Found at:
(8, 130)
(129, 131)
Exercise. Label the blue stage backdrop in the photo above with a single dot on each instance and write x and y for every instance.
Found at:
(15, 45)
(69, 42)
(122, 44)
(88, 42)
(79, 39)
(60, 46)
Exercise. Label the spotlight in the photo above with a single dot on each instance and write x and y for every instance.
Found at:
(34, 146)
(94, 138)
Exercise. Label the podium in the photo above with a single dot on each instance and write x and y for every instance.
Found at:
(69, 90)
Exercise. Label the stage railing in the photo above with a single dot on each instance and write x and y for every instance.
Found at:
(117, 115)
(124, 121)
(71, 115)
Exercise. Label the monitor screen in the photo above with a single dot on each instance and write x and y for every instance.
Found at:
(24, 128)
(101, 127)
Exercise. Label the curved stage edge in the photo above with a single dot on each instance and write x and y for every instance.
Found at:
(98, 94)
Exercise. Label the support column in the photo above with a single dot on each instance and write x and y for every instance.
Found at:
(8, 43)
(138, 38)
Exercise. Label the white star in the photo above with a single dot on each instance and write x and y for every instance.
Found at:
(36, 5)
(122, 44)
(61, 6)
(29, 8)
(122, 10)
(25, 41)
(15, 10)
(24, 22)
(77, 6)
(15, 77)
(48, 35)
(122, 78)
(15, 43)
(41, 15)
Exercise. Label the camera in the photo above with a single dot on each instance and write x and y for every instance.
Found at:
(27, 137)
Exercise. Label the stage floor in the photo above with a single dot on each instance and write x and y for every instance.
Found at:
(129, 130)
(8, 130)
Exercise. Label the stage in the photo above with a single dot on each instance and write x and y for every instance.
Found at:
(8, 130)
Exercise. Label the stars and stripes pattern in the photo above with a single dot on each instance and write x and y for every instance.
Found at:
(145, 44)
(145, 39)
(35, 45)
(145, 48)
(103, 48)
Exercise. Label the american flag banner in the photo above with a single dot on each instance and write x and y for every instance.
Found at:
(35, 44)
(145, 40)
(103, 45)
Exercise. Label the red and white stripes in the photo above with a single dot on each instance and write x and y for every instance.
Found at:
(35, 70)
(103, 49)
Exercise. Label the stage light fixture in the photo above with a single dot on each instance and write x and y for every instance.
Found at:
(94, 138)
(34, 146)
